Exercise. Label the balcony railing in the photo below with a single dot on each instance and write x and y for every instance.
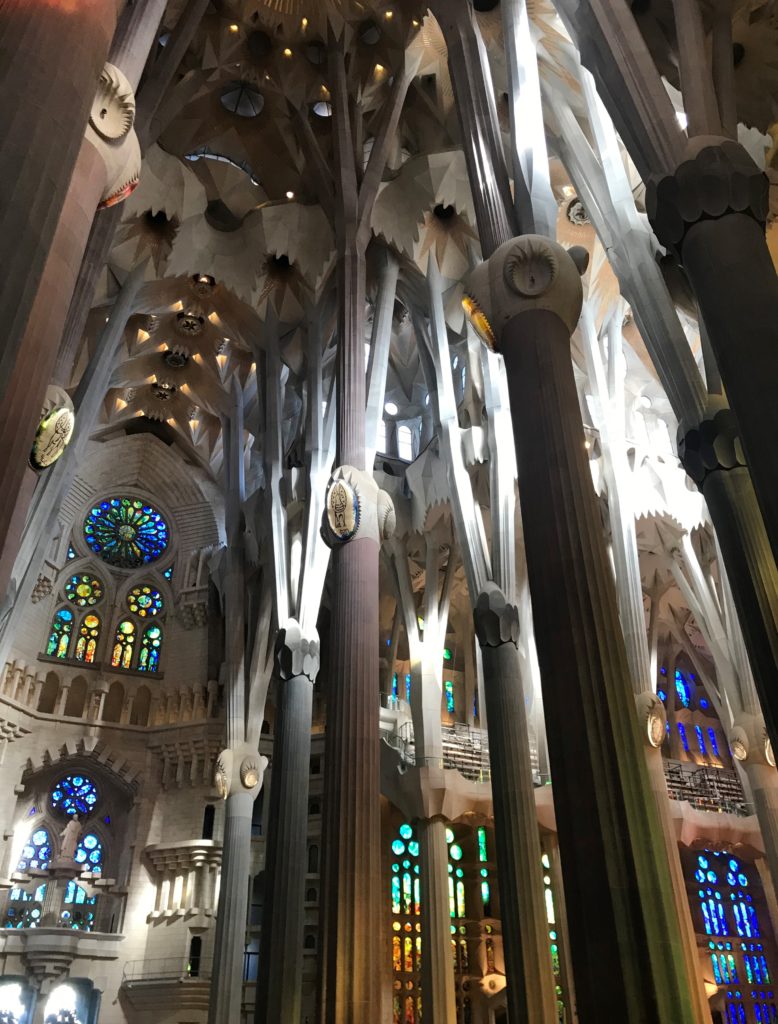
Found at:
(707, 789)
(169, 968)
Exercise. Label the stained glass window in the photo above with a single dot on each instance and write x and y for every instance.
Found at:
(456, 884)
(126, 532)
(406, 926)
(36, 852)
(78, 910)
(682, 734)
(395, 692)
(714, 746)
(408, 687)
(449, 688)
(89, 852)
(83, 590)
(682, 689)
(730, 919)
(150, 647)
(75, 794)
(88, 635)
(123, 644)
(71, 553)
(701, 741)
(59, 637)
(168, 573)
(144, 601)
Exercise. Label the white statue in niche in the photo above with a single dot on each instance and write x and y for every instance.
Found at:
(70, 836)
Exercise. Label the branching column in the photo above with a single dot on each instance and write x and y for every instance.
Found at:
(711, 212)
(530, 992)
(627, 959)
(279, 984)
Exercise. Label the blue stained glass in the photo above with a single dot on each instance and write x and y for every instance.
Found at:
(682, 734)
(398, 848)
(71, 553)
(716, 972)
(701, 741)
(661, 695)
(144, 601)
(89, 852)
(61, 631)
(449, 687)
(75, 794)
(682, 689)
(126, 532)
(406, 832)
(36, 852)
(150, 648)
(713, 743)
(703, 703)
(395, 692)
(168, 573)
(408, 687)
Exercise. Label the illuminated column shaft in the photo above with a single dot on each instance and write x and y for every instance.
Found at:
(230, 941)
(627, 956)
(438, 997)
(530, 991)
(279, 983)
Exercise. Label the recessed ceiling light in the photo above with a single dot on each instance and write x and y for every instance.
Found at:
(391, 408)
(290, 194)
(234, 28)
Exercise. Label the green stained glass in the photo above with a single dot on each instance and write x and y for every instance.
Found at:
(482, 844)
(83, 590)
(126, 532)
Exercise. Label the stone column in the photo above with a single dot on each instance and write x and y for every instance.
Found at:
(106, 169)
(62, 699)
(711, 213)
(239, 773)
(627, 956)
(471, 78)
(279, 982)
(51, 56)
(530, 992)
(358, 516)
(713, 457)
(437, 969)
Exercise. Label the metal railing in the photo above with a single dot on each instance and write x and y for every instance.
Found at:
(169, 968)
(706, 788)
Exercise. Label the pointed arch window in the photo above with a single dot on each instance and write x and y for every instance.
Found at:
(124, 644)
(405, 443)
(60, 634)
(150, 648)
(405, 895)
(88, 635)
(36, 852)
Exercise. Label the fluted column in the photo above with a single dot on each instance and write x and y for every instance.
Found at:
(627, 957)
(279, 983)
(530, 991)
(437, 968)
(230, 940)
(51, 55)
(710, 211)
(713, 457)
(358, 516)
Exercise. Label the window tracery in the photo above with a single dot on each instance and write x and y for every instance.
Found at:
(60, 634)
(126, 532)
(88, 636)
(123, 645)
(83, 590)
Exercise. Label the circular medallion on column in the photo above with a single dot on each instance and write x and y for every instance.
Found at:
(52, 437)
(342, 509)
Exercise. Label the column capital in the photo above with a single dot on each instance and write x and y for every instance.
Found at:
(749, 742)
(527, 273)
(239, 769)
(713, 444)
(496, 619)
(295, 653)
(355, 506)
(716, 177)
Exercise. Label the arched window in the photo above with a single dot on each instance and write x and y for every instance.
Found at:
(75, 794)
(61, 631)
(88, 635)
(730, 900)
(89, 852)
(36, 852)
(405, 443)
(150, 648)
(405, 896)
(381, 436)
(141, 706)
(123, 645)
(456, 885)
(682, 689)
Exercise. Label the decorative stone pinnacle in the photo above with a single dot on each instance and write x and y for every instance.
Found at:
(356, 506)
(110, 130)
(716, 177)
(296, 655)
(527, 273)
(712, 445)
(496, 619)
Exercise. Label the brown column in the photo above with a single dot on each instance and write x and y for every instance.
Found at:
(51, 56)
(627, 959)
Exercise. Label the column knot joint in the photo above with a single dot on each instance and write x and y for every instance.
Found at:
(295, 653)
(713, 444)
(355, 506)
(496, 619)
(717, 177)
